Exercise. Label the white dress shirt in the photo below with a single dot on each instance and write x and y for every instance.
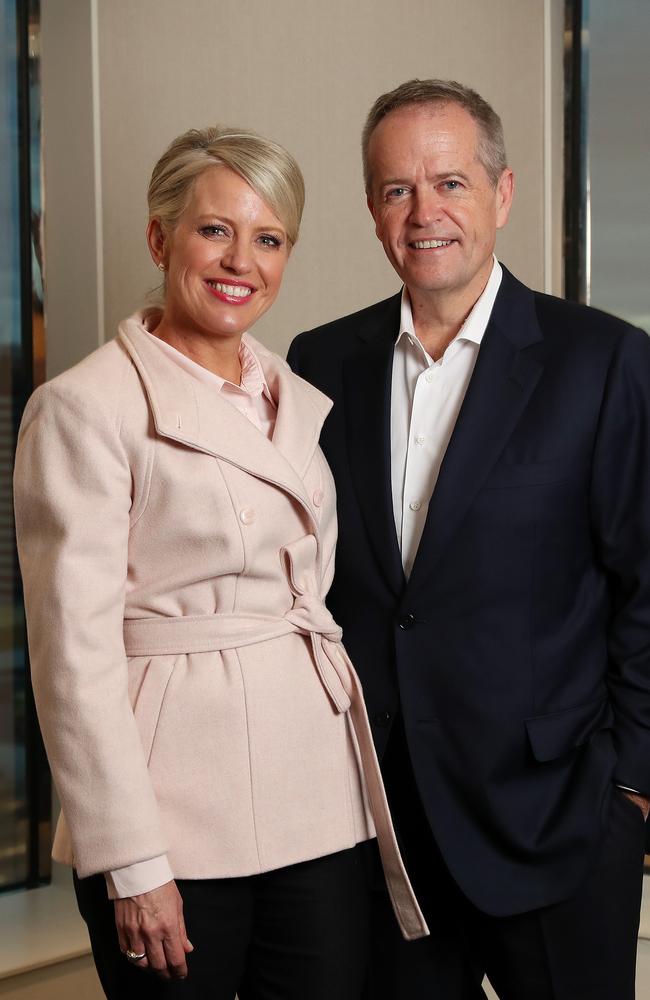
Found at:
(426, 399)
(253, 399)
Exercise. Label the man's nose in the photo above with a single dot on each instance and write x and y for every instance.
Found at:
(425, 207)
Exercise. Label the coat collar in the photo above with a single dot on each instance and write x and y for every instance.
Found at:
(187, 411)
(508, 367)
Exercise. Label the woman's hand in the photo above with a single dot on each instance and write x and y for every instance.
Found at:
(152, 924)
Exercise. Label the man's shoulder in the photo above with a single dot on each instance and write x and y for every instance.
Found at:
(552, 310)
(340, 334)
(576, 323)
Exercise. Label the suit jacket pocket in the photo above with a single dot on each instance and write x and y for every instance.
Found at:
(552, 736)
(505, 475)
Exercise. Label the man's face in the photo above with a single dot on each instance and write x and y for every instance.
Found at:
(436, 211)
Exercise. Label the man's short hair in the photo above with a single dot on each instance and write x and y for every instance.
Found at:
(491, 147)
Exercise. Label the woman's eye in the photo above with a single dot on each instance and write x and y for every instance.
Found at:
(270, 241)
(213, 231)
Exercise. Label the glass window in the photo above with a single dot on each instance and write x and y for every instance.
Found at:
(24, 783)
(607, 152)
(619, 157)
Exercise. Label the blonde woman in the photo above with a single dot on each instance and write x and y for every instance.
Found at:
(176, 528)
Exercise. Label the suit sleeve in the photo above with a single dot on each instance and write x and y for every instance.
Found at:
(72, 501)
(293, 355)
(620, 504)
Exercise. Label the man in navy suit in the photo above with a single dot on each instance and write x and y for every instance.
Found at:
(491, 449)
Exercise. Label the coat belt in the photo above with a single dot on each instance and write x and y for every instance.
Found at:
(310, 617)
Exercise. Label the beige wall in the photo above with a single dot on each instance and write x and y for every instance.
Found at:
(121, 79)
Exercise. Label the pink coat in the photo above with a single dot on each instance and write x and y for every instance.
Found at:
(194, 696)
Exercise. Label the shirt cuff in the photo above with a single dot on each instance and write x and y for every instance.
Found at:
(140, 877)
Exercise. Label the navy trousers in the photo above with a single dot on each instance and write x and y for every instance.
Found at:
(583, 948)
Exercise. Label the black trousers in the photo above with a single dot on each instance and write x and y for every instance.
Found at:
(583, 948)
(297, 933)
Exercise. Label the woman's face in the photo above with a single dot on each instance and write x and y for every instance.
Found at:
(224, 260)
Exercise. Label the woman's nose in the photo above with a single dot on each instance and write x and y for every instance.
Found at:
(237, 257)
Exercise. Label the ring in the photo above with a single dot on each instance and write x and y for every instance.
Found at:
(133, 956)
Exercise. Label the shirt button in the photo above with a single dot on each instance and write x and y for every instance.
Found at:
(420, 439)
(429, 376)
(382, 719)
(415, 505)
(318, 498)
(247, 515)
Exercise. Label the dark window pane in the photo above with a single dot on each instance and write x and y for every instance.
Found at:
(21, 769)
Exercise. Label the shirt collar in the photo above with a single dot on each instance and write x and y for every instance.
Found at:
(253, 382)
(476, 323)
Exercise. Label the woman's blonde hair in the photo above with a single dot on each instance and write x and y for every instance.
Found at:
(269, 169)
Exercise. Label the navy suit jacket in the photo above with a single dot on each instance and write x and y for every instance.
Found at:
(519, 650)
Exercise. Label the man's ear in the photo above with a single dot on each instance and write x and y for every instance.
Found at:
(505, 193)
(371, 208)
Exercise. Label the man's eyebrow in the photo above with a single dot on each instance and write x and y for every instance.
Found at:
(436, 178)
(395, 180)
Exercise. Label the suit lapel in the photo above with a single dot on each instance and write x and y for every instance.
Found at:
(367, 391)
(187, 411)
(507, 370)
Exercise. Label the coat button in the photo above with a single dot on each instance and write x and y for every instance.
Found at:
(382, 719)
(318, 498)
(247, 515)
(407, 621)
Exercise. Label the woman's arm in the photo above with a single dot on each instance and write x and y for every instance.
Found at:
(73, 497)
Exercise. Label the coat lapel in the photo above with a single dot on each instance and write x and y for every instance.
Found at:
(367, 391)
(187, 411)
(507, 370)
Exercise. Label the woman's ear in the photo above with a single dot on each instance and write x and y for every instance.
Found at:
(156, 243)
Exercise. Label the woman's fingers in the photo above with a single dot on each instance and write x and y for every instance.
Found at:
(175, 957)
(152, 924)
(187, 944)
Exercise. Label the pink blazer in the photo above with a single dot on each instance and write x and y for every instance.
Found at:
(194, 696)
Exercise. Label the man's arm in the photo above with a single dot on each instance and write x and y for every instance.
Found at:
(620, 509)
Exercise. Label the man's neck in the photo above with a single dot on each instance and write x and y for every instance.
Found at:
(439, 316)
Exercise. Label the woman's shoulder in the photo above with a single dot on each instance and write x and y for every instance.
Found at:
(97, 388)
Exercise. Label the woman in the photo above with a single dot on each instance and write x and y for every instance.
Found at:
(176, 529)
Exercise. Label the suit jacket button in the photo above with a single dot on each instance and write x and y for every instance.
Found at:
(318, 498)
(382, 719)
(407, 621)
(247, 515)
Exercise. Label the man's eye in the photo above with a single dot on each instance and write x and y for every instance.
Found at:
(452, 185)
(396, 192)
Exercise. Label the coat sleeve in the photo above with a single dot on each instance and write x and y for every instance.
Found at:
(72, 500)
(620, 505)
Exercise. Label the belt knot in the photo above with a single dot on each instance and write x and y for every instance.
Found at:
(310, 614)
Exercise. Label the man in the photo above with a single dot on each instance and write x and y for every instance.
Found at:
(491, 448)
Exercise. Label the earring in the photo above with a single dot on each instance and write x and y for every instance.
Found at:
(161, 266)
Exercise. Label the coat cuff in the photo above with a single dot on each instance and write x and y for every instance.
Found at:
(140, 877)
